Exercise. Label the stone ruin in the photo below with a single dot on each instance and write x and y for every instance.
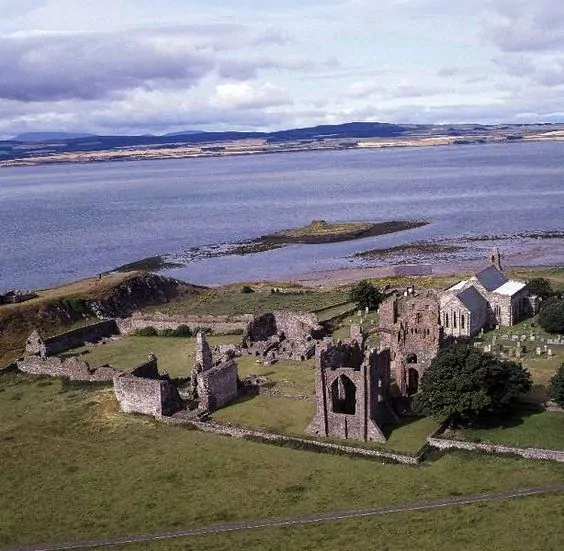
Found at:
(410, 329)
(38, 360)
(146, 391)
(282, 335)
(214, 382)
(351, 387)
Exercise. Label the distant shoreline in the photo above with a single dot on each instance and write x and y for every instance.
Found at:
(192, 152)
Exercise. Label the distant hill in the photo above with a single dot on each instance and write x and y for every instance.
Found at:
(47, 136)
(185, 133)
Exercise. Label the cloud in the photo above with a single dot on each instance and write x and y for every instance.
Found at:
(54, 68)
(249, 96)
(526, 25)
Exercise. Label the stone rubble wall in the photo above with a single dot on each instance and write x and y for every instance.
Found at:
(148, 396)
(218, 324)
(296, 325)
(237, 432)
(217, 386)
(528, 453)
(71, 368)
(79, 337)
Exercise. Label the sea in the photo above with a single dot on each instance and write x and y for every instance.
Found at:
(63, 222)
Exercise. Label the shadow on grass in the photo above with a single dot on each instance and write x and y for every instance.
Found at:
(513, 418)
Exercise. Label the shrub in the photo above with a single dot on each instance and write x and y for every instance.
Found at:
(247, 289)
(551, 316)
(556, 387)
(540, 286)
(149, 331)
(182, 331)
(366, 295)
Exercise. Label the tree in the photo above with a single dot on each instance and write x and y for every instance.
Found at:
(556, 387)
(540, 286)
(464, 384)
(551, 316)
(364, 294)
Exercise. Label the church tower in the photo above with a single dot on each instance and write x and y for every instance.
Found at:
(495, 258)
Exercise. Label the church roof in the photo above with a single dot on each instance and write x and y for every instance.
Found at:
(510, 288)
(472, 299)
(491, 278)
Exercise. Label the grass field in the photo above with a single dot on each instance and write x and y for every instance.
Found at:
(231, 301)
(527, 524)
(73, 467)
(527, 429)
(176, 356)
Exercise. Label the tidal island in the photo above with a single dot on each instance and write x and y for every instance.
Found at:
(320, 231)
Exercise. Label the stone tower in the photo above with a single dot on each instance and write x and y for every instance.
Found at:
(495, 258)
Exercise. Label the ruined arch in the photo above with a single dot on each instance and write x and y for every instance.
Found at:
(343, 395)
(412, 381)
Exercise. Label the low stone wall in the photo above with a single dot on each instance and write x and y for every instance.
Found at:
(237, 432)
(77, 337)
(71, 368)
(528, 453)
(218, 324)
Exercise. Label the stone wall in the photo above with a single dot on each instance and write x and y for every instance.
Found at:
(71, 368)
(217, 386)
(218, 324)
(528, 453)
(296, 325)
(70, 339)
(315, 445)
(148, 396)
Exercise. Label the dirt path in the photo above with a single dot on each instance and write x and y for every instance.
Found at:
(311, 519)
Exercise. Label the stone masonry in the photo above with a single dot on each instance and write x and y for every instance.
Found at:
(351, 391)
(145, 391)
(214, 383)
(410, 328)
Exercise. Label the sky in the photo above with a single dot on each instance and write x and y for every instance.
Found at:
(158, 66)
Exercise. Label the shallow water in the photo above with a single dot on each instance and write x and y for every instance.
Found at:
(60, 223)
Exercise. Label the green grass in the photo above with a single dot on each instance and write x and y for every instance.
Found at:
(230, 301)
(73, 467)
(526, 429)
(525, 524)
(176, 356)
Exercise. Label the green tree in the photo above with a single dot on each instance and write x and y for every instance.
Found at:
(556, 387)
(551, 316)
(540, 286)
(364, 294)
(464, 384)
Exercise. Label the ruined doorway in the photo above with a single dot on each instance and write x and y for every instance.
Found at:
(343, 394)
(412, 381)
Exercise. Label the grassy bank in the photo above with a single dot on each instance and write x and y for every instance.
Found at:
(74, 467)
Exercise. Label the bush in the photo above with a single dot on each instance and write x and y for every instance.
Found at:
(182, 331)
(204, 330)
(366, 295)
(149, 331)
(556, 387)
(247, 289)
(540, 286)
(551, 316)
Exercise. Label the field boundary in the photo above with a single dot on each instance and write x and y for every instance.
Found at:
(294, 441)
